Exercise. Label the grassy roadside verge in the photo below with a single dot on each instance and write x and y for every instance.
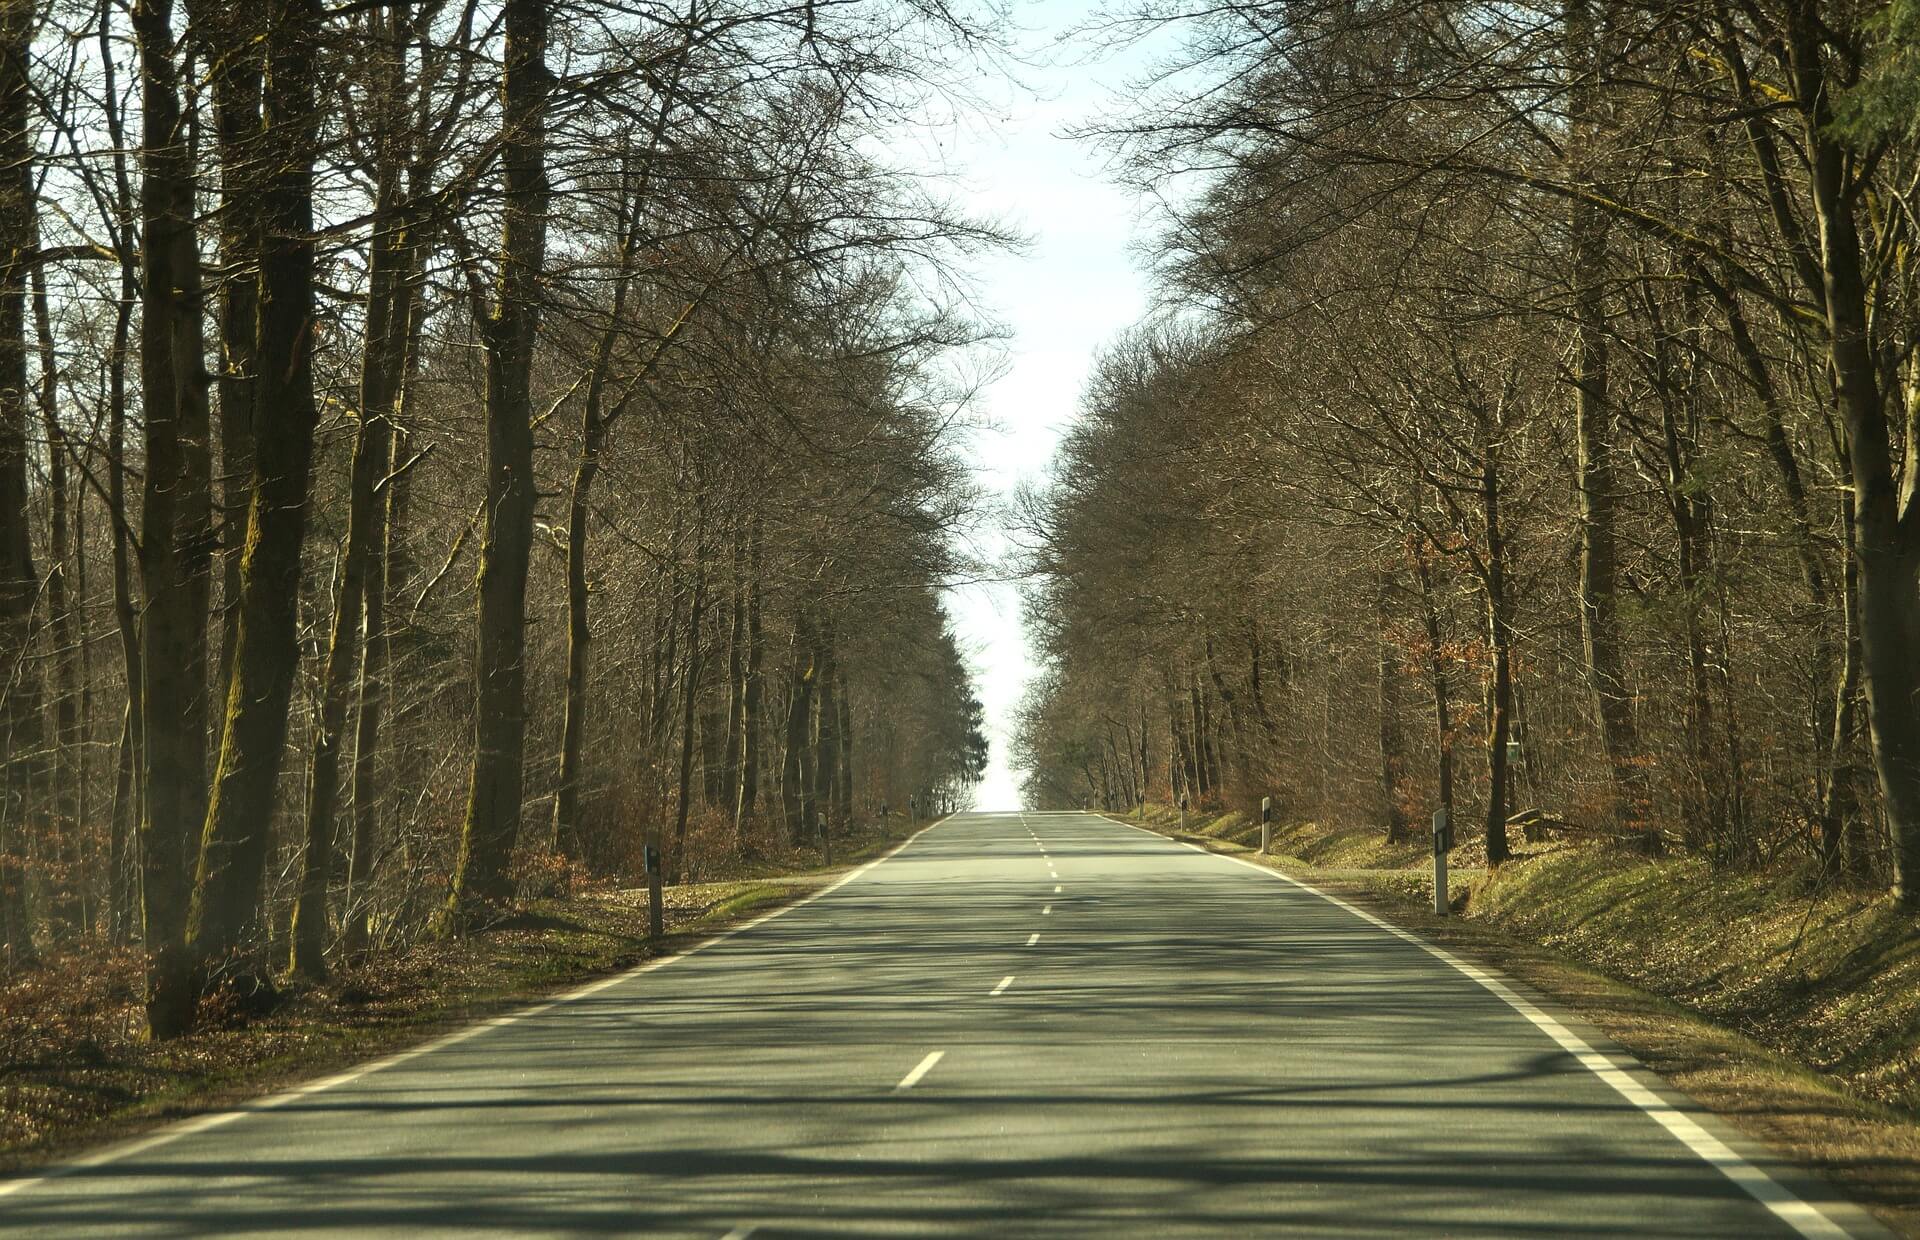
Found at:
(75, 1071)
(1795, 1018)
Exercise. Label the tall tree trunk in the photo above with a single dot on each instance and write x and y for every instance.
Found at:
(564, 836)
(129, 771)
(1437, 681)
(481, 880)
(826, 732)
(710, 727)
(266, 656)
(230, 35)
(752, 691)
(1839, 802)
(1393, 757)
(19, 692)
(382, 365)
(736, 682)
(1589, 237)
(176, 533)
(388, 567)
(843, 752)
(690, 693)
(70, 879)
(1500, 641)
(1886, 499)
(595, 421)
(794, 794)
(370, 712)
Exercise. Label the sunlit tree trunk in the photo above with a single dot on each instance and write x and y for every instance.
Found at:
(481, 880)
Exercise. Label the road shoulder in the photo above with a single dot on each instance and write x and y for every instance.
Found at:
(88, 1098)
(1786, 1114)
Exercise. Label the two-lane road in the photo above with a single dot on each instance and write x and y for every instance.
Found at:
(1040, 1024)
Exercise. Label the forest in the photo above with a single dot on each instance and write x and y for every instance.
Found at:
(1530, 429)
(454, 449)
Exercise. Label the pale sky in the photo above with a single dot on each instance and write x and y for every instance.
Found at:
(1074, 288)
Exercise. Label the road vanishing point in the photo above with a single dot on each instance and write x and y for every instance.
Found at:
(1040, 1024)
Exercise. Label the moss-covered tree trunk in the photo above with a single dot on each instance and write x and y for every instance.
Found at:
(482, 883)
(266, 656)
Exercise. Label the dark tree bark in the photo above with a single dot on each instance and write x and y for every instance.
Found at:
(129, 766)
(177, 540)
(1589, 231)
(736, 682)
(752, 691)
(1500, 642)
(795, 794)
(68, 880)
(1886, 497)
(229, 36)
(266, 654)
(1393, 756)
(481, 881)
(689, 694)
(1437, 679)
(843, 752)
(826, 731)
(19, 691)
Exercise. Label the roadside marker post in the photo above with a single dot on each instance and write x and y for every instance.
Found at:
(1266, 824)
(1183, 813)
(1442, 841)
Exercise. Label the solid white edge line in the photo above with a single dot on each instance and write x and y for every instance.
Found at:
(1804, 1217)
(215, 1119)
(919, 1070)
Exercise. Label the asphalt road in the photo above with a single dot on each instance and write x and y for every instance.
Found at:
(1049, 1025)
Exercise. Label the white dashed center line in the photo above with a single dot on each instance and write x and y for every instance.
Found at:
(920, 1069)
(1033, 938)
(1047, 911)
(1004, 983)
